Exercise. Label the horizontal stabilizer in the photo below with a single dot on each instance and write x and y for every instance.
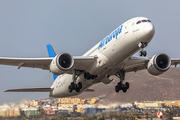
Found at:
(89, 90)
(30, 90)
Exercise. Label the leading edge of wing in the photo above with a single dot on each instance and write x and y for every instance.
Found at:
(81, 62)
(46, 89)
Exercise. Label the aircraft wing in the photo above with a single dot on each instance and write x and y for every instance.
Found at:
(175, 61)
(83, 62)
(80, 62)
(30, 90)
(42, 63)
(137, 63)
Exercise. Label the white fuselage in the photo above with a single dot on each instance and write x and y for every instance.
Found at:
(112, 53)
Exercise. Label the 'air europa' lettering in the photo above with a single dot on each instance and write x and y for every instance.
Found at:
(112, 35)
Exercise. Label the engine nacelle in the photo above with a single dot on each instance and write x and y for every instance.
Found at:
(158, 64)
(61, 63)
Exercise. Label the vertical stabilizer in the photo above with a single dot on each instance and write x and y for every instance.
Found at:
(51, 53)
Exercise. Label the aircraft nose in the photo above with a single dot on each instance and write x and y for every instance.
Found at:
(149, 29)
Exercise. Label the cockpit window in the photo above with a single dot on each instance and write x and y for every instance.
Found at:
(138, 22)
(144, 20)
(141, 21)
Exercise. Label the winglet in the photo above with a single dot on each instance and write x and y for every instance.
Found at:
(51, 53)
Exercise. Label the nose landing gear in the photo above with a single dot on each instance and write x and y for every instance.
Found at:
(142, 45)
(142, 53)
(120, 86)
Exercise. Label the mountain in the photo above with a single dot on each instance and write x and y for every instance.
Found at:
(143, 87)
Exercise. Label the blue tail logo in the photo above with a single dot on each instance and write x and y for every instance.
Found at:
(51, 53)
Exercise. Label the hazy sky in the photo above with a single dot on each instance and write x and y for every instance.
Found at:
(27, 26)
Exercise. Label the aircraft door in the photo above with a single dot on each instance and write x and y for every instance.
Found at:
(126, 28)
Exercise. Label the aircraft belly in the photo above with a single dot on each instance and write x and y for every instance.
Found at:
(114, 53)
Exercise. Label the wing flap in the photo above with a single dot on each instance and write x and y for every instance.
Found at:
(47, 89)
(83, 62)
(135, 63)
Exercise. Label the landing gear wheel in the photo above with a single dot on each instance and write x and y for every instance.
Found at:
(120, 86)
(142, 45)
(140, 53)
(69, 88)
(124, 89)
(127, 85)
(144, 53)
(72, 86)
(77, 89)
(80, 85)
(117, 88)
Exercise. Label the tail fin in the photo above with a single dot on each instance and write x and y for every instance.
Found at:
(51, 53)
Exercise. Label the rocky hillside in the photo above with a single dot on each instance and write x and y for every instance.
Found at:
(143, 87)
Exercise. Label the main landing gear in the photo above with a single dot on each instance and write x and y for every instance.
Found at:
(78, 87)
(142, 45)
(120, 86)
(73, 85)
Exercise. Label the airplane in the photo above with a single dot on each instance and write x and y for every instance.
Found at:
(111, 56)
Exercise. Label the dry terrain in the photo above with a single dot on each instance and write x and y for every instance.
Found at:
(143, 87)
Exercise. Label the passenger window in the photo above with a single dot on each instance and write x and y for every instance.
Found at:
(113, 35)
(138, 22)
(101, 44)
(108, 39)
(144, 20)
(104, 42)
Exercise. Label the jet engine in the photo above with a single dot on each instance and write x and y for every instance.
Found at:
(158, 64)
(61, 63)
